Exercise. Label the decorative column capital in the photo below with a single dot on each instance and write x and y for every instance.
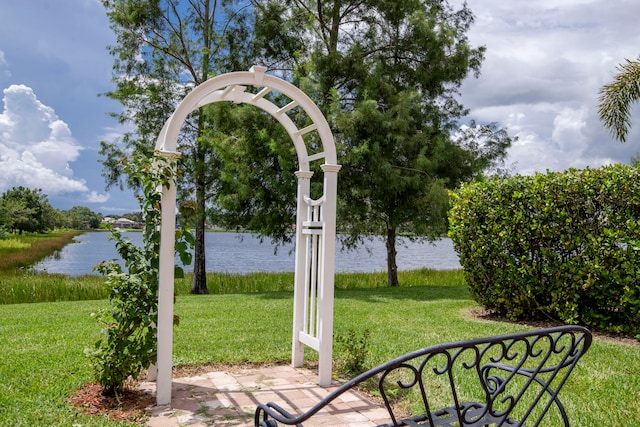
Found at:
(331, 168)
(304, 174)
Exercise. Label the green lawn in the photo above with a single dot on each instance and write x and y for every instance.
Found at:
(42, 346)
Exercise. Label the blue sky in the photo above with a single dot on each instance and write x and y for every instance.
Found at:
(53, 65)
(545, 63)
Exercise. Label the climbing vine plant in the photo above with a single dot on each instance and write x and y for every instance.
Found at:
(128, 341)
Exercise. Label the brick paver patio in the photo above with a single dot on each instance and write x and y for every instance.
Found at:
(230, 399)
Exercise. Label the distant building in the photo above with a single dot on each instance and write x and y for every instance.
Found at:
(121, 222)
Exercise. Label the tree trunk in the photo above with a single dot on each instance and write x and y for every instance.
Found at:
(199, 282)
(392, 267)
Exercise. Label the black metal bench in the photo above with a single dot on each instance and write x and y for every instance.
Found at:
(508, 380)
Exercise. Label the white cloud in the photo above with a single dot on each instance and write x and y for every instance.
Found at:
(568, 129)
(36, 147)
(94, 197)
(114, 209)
(545, 63)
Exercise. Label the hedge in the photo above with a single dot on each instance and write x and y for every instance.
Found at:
(561, 245)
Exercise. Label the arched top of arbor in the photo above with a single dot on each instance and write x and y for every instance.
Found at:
(231, 87)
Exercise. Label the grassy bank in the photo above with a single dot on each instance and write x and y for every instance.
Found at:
(27, 287)
(19, 251)
(223, 283)
(24, 286)
(43, 361)
(18, 284)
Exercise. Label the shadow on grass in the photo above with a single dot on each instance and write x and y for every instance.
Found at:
(415, 293)
(381, 295)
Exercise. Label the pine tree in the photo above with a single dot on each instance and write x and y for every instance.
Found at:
(386, 74)
(164, 48)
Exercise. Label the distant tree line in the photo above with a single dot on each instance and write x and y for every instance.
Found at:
(28, 210)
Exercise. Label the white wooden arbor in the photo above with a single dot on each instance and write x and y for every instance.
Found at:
(315, 223)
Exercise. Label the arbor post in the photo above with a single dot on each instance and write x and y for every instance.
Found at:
(301, 274)
(328, 253)
(165, 296)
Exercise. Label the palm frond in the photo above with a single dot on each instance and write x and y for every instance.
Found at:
(616, 98)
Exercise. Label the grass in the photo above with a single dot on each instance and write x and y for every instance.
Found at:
(24, 286)
(22, 250)
(19, 284)
(12, 244)
(43, 361)
(250, 320)
(229, 283)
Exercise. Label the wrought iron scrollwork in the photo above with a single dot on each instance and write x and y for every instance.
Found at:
(509, 380)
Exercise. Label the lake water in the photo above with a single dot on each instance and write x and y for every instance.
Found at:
(244, 253)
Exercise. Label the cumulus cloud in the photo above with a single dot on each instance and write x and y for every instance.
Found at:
(94, 197)
(36, 147)
(545, 63)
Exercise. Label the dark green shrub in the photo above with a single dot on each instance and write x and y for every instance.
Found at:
(353, 350)
(561, 245)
